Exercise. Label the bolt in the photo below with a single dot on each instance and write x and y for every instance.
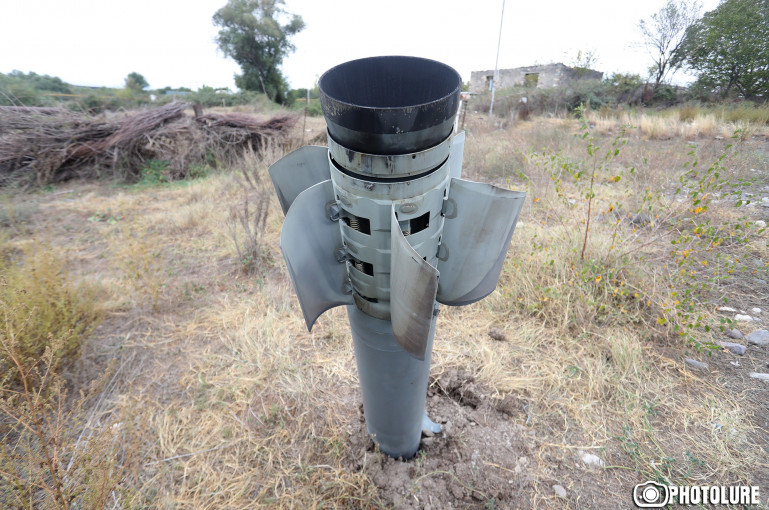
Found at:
(333, 210)
(369, 186)
(341, 254)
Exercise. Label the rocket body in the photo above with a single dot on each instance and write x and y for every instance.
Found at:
(382, 222)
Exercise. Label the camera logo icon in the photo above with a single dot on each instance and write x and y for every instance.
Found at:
(650, 495)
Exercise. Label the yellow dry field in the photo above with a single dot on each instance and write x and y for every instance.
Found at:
(220, 398)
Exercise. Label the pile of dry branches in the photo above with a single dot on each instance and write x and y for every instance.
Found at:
(45, 145)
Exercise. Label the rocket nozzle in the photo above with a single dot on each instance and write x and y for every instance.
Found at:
(390, 105)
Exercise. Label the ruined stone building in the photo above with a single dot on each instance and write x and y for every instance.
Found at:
(546, 76)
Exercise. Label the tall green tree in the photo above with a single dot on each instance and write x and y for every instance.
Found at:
(728, 49)
(257, 35)
(664, 33)
(136, 82)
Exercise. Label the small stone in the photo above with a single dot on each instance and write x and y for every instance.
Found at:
(428, 441)
(590, 459)
(427, 433)
(737, 349)
(757, 375)
(727, 309)
(497, 334)
(696, 364)
(640, 219)
(572, 201)
(743, 318)
(755, 311)
(761, 224)
(760, 281)
(736, 334)
(559, 491)
(759, 337)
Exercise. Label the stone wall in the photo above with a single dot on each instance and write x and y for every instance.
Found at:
(546, 76)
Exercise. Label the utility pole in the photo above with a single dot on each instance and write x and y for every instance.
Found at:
(496, 63)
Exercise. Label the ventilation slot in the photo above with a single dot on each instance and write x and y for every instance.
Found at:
(362, 225)
(419, 224)
(363, 267)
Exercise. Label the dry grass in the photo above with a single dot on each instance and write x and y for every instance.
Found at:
(690, 123)
(226, 401)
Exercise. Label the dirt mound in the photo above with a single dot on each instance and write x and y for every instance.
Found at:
(480, 460)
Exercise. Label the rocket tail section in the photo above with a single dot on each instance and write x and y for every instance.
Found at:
(413, 284)
(311, 243)
(479, 220)
(297, 171)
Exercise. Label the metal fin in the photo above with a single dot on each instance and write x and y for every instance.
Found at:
(429, 425)
(479, 223)
(297, 171)
(309, 241)
(413, 284)
(457, 152)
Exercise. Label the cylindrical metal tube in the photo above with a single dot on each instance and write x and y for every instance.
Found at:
(393, 383)
(390, 104)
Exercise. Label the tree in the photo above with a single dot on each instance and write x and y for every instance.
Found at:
(135, 82)
(252, 35)
(664, 34)
(728, 48)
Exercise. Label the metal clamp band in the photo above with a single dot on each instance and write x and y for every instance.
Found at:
(390, 166)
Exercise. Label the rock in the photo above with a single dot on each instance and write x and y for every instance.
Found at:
(757, 375)
(761, 224)
(755, 311)
(760, 281)
(497, 334)
(759, 337)
(736, 334)
(727, 309)
(737, 349)
(559, 491)
(696, 364)
(590, 459)
(743, 318)
(640, 219)
(765, 201)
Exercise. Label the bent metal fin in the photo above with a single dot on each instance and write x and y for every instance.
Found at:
(478, 224)
(310, 241)
(413, 284)
(297, 171)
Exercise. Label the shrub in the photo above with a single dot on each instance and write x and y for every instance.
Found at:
(39, 303)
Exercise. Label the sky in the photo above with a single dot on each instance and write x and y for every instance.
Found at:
(172, 42)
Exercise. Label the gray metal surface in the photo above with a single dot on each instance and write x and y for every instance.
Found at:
(390, 166)
(373, 201)
(479, 220)
(457, 152)
(297, 171)
(393, 384)
(413, 284)
(309, 241)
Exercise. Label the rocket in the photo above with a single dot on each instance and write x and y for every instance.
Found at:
(381, 221)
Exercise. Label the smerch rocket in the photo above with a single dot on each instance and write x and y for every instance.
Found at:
(380, 221)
